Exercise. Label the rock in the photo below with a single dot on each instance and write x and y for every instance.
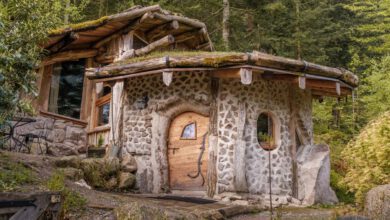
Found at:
(377, 202)
(98, 171)
(82, 183)
(126, 180)
(59, 149)
(74, 133)
(314, 175)
(111, 183)
(58, 135)
(68, 161)
(73, 173)
(129, 164)
(240, 202)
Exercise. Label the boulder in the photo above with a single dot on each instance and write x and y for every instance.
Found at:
(314, 175)
(72, 173)
(111, 183)
(59, 149)
(68, 161)
(129, 164)
(99, 170)
(126, 180)
(377, 202)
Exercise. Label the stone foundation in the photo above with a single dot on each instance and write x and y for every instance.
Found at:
(63, 138)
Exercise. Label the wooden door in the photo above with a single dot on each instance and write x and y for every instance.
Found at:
(187, 144)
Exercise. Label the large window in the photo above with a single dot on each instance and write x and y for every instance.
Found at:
(66, 88)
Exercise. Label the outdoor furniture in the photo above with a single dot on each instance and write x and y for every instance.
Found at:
(29, 138)
(8, 132)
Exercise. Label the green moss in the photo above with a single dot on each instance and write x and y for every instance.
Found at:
(80, 26)
(13, 174)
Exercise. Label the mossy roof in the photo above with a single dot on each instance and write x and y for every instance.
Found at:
(197, 59)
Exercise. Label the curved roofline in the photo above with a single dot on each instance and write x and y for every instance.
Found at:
(218, 60)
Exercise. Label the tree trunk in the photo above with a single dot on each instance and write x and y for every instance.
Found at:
(225, 23)
(66, 15)
(298, 29)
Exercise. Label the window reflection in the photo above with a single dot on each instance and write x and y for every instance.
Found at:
(189, 131)
(66, 88)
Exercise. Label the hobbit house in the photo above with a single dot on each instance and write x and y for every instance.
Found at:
(147, 84)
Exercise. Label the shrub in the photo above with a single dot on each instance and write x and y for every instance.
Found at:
(367, 158)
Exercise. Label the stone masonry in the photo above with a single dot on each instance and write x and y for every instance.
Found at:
(148, 96)
(63, 138)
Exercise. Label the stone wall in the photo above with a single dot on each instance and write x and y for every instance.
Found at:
(63, 138)
(150, 105)
(149, 99)
(261, 96)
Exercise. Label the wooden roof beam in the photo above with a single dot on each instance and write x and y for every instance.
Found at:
(190, 35)
(187, 21)
(162, 30)
(163, 42)
(69, 55)
(63, 42)
(134, 25)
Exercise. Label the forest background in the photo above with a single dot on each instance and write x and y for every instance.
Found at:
(352, 34)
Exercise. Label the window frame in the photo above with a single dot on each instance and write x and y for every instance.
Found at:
(196, 131)
(46, 87)
(101, 101)
(275, 131)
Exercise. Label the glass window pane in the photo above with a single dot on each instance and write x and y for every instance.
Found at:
(265, 131)
(189, 131)
(67, 88)
(104, 114)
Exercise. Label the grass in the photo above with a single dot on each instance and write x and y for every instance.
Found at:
(72, 201)
(79, 26)
(13, 174)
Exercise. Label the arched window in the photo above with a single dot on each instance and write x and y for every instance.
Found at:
(189, 132)
(266, 131)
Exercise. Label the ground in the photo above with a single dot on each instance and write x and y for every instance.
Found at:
(83, 203)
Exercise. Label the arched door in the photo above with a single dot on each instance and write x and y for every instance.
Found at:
(188, 151)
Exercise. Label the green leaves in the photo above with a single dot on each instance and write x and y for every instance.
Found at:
(368, 157)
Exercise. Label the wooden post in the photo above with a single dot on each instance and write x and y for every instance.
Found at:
(44, 90)
(293, 147)
(246, 76)
(239, 151)
(302, 82)
(86, 101)
(338, 89)
(167, 78)
(213, 140)
(116, 106)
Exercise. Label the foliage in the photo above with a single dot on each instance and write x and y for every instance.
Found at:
(23, 25)
(376, 89)
(341, 189)
(13, 174)
(100, 141)
(368, 157)
(72, 201)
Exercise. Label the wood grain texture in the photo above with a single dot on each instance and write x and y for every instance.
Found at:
(183, 154)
